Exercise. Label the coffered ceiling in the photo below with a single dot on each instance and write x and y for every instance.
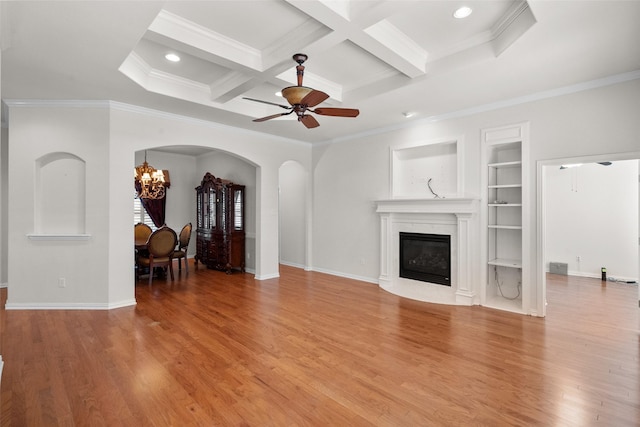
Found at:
(386, 58)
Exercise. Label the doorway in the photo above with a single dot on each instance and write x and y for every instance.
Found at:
(588, 218)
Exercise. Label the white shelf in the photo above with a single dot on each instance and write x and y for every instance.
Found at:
(503, 262)
(505, 186)
(58, 237)
(505, 164)
(501, 205)
(505, 227)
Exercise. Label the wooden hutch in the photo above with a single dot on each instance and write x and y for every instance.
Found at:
(220, 236)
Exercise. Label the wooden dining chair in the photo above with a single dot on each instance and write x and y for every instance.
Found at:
(160, 246)
(183, 245)
(141, 231)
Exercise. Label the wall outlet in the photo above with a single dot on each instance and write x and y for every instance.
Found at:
(578, 258)
(62, 282)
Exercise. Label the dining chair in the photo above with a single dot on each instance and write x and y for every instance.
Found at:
(141, 231)
(183, 245)
(160, 246)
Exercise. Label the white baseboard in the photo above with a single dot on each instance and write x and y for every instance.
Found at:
(293, 264)
(612, 278)
(346, 276)
(68, 306)
(267, 276)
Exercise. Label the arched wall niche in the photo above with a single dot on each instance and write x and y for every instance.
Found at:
(60, 194)
(293, 194)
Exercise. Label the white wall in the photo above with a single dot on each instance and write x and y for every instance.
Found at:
(107, 136)
(350, 175)
(293, 208)
(592, 213)
(4, 203)
(35, 267)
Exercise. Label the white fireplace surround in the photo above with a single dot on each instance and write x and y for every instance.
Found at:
(455, 217)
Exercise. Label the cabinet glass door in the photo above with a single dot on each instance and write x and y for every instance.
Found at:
(238, 209)
(211, 209)
(199, 211)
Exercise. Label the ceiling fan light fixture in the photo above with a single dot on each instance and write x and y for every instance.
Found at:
(462, 12)
(294, 94)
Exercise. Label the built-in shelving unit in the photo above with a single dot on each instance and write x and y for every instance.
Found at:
(504, 218)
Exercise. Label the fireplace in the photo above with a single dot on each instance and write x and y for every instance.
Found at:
(455, 218)
(425, 257)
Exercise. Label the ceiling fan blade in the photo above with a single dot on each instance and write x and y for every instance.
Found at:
(314, 98)
(273, 116)
(309, 121)
(267, 102)
(339, 112)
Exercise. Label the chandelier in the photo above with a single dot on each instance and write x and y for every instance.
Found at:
(149, 181)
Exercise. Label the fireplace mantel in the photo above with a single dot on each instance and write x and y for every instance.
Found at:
(434, 205)
(453, 216)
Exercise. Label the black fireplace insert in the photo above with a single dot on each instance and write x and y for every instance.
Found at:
(426, 257)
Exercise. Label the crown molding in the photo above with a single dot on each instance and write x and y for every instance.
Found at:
(579, 87)
(553, 93)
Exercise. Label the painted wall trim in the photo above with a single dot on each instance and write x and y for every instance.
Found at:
(68, 306)
(58, 237)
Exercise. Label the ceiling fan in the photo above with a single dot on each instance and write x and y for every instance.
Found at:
(302, 99)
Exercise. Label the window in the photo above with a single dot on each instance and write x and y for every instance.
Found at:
(140, 215)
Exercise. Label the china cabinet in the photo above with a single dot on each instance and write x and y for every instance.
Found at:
(220, 235)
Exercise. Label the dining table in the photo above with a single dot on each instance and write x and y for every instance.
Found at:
(140, 243)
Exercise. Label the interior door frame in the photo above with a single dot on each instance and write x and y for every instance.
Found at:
(541, 166)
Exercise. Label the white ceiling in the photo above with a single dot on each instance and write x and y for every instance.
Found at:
(382, 57)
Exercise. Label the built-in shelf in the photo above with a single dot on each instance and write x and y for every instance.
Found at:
(505, 217)
(502, 262)
(505, 186)
(513, 164)
(505, 227)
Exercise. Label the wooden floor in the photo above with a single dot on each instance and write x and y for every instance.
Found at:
(309, 349)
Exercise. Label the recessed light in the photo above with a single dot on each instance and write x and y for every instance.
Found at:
(172, 57)
(462, 12)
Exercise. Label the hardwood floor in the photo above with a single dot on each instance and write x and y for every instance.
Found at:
(311, 349)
